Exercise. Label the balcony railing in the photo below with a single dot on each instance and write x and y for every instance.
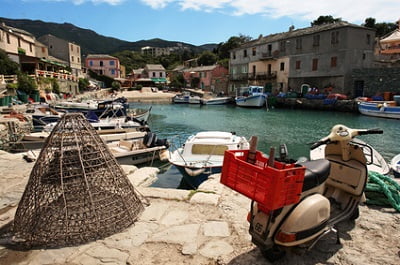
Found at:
(253, 76)
(62, 76)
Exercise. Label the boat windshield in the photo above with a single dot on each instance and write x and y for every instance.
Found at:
(208, 149)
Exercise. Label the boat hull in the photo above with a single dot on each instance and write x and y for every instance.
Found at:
(195, 180)
(379, 110)
(255, 101)
(216, 101)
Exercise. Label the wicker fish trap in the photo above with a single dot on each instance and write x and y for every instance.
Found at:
(77, 192)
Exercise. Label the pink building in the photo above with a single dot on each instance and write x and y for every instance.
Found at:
(103, 64)
(213, 78)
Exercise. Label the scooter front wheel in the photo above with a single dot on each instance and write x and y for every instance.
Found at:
(273, 254)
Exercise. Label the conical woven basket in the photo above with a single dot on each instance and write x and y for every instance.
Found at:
(77, 192)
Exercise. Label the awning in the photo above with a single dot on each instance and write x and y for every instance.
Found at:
(159, 80)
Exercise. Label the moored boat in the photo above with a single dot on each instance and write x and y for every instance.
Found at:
(216, 101)
(395, 165)
(202, 154)
(253, 96)
(382, 109)
(140, 150)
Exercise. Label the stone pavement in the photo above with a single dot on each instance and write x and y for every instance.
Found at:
(177, 226)
(205, 227)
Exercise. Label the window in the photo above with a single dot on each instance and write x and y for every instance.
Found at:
(364, 56)
(113, 71)
(78, 59)
(30, 47)
(91, 63)
(19, 42)
(335, 37)
(244, 53)
(299, 44)
(77, 49)
(333, 61)
(112, 63)
(72, 48)
(254, 51)
(282, 46)
(315, 64)
(368, 39)
(154, 74)
(43, 49)
(72, 58)
(8, 38)
(316, 40)
(282, 68)
(298, 65)
(161, 75)
(233, 55)
(101, 63)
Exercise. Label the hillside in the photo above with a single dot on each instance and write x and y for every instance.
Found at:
(90, 41)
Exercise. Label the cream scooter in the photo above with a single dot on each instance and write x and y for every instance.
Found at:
(332, 190)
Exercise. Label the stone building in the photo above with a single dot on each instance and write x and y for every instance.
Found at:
(64, 50)
(321, 56)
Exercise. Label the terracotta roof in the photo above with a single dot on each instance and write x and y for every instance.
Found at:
(100, 56)
(155, 67)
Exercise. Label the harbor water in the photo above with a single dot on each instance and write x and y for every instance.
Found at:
(293, 127)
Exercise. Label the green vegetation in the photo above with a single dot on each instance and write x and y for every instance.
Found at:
(7, 66)
(83, 83)
(26, 83)
(381, 28)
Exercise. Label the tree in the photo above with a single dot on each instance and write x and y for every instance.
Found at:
(26, 83)
(178, 81)
(325, 20)
(223, 49)
(7, 66)
(194, 83)
(83, 83)
(207, 58)
(382, 28)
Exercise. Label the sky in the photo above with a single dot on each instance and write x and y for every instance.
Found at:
(196, 22)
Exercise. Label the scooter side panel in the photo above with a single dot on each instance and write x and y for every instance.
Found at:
(306, 221)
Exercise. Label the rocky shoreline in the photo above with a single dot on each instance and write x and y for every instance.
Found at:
(207, 226)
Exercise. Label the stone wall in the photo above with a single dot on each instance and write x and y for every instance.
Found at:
(378, 80)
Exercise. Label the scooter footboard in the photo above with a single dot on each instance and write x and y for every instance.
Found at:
(349, 176)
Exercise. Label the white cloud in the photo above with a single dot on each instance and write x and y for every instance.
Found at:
(79, 2)
(352, 11)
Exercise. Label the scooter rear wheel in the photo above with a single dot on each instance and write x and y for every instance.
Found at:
(273, 254)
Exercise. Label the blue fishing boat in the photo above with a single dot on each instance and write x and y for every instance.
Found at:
(381, 109)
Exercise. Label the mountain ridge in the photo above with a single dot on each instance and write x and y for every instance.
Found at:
(90, 41)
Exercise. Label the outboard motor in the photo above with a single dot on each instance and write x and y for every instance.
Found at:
(151, 140)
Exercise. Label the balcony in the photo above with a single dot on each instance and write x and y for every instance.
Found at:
(238, 77)
(262, 75)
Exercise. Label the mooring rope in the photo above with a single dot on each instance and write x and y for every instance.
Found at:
(382, 190)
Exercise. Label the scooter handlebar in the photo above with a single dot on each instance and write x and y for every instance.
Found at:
(319, 143)
(370, 131)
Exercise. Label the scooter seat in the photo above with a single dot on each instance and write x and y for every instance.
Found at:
(317, 171)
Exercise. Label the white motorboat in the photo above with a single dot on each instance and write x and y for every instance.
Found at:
(182, 98)
(216, 101)
(203, 153)
(139, 150)
(253, 96)
(395, 165)
(375, 161)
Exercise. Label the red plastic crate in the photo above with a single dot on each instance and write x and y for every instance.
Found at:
(273, 187)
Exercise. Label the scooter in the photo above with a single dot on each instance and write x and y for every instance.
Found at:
(332, 189)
